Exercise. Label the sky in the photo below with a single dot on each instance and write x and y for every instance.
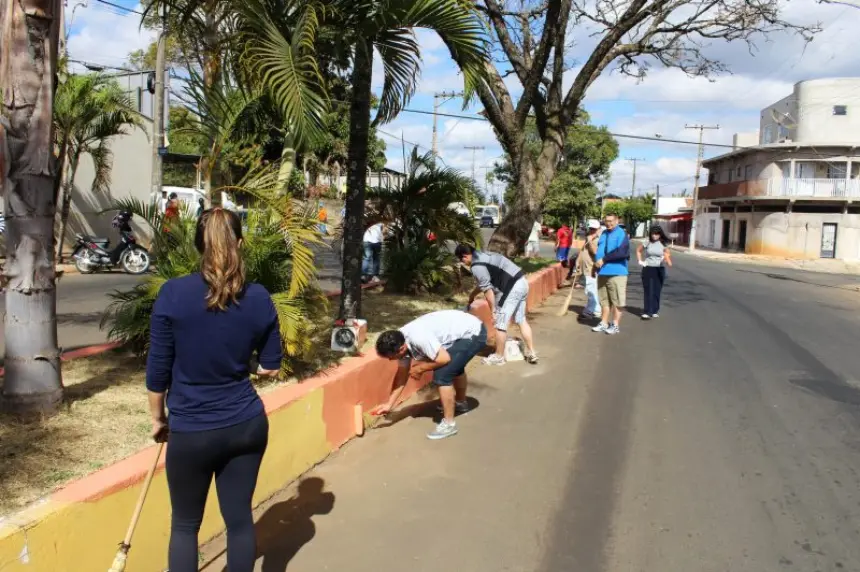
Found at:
(661, 104)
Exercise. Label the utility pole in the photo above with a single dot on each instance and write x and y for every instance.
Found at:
(701, 129)
(474, 165)
(634, 160)
(438, 99)
(158, 147)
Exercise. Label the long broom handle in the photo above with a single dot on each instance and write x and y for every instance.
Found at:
(564, 309)
(142, 498)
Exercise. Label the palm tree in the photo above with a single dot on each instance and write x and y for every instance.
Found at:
(277, 248)
(88, 111)
(421, 204)
(387, 27)
(29, 34)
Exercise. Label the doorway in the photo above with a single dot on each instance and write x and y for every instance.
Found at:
(742, 236)
(828, 240)
(726, 238)
(712, 233)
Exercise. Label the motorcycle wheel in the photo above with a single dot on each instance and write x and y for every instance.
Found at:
(85, 263)
(135, 261)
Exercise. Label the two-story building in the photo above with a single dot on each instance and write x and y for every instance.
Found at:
(795, 192)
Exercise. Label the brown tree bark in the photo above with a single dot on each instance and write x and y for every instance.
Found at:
(29, 32)
(353, 225)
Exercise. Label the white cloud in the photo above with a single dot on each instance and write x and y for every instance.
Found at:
(101, 36)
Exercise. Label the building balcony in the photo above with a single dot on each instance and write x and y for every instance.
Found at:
(799, 187)
(754, 188)
(818, 188)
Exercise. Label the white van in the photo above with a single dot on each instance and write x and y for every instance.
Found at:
(490, 211)
(189, 197)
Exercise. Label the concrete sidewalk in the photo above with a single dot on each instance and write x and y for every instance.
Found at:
(484, 500)
(823, 265)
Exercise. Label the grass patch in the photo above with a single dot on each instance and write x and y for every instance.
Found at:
(530, 265)
(105, 418)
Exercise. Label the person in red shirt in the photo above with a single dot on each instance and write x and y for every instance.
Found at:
(563, 241)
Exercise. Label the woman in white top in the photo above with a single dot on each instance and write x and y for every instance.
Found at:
(653, 257)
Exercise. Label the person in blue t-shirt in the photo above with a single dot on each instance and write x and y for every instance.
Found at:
(613, 254)
(204, 330)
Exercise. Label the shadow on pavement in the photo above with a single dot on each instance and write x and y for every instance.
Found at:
(287, 526)
(424, 410)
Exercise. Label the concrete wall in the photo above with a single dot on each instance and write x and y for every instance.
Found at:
(789, 235)
(79, 527)
(779, 121)
(816, 122)
(798, 235)
(131, 175)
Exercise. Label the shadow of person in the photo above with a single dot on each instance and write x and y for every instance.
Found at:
(287, 526)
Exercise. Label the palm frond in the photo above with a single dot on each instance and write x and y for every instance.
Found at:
(401, 63)
(287, 67)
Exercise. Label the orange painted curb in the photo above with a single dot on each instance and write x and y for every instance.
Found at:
(361, 382)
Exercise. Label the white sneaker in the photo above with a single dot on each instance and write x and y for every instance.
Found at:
(656, 316)
(531, 357)
(494, 359)
(444, 430)
(612, 330)
(646, 316)
(601, 327)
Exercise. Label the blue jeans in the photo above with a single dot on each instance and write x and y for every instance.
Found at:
(652, 281)
(370, 263)
(462, 351)
(592, 303)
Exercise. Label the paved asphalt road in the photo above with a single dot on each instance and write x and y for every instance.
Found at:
(81, 299)
(723, 437)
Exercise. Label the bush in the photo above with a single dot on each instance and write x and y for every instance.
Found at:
(277, 254)
(419, 267)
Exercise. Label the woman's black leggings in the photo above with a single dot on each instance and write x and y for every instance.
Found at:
(233, 456)
(652, 281)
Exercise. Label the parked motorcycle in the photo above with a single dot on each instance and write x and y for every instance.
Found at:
(94, 253)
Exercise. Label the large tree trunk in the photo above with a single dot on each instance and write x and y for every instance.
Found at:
(68, 187)
(353, 226)
(28, 59)
(533, 178)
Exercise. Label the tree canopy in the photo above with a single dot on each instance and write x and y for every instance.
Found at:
(588, 153)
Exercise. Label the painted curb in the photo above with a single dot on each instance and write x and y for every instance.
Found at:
(77, 527)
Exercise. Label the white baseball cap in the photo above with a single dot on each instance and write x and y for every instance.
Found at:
(593, 224)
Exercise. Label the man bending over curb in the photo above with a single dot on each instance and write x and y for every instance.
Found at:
(506, 290)
(443, 342)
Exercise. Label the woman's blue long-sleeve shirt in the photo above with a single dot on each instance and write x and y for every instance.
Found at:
(201, 357)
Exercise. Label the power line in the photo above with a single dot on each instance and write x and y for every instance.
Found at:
(120, 7)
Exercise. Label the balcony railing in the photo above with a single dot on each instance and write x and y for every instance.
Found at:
(820, 188)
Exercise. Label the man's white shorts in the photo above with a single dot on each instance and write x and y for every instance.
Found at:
(514, 307)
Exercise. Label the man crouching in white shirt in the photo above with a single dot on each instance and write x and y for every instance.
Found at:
(443, 342)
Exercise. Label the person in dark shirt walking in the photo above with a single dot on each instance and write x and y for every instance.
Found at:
(204, 330)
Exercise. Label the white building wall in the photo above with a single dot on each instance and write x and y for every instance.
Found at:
(817, 120)
(131, 177)
(778, 121)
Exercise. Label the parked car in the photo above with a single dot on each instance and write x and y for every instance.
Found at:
(487, 221)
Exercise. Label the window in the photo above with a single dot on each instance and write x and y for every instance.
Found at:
(729, 176)
(783, 132)
(748, 173)
(738, 174)
(840, 110)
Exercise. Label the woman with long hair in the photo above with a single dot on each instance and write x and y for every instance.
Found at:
(205, 329)
(654, 256)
